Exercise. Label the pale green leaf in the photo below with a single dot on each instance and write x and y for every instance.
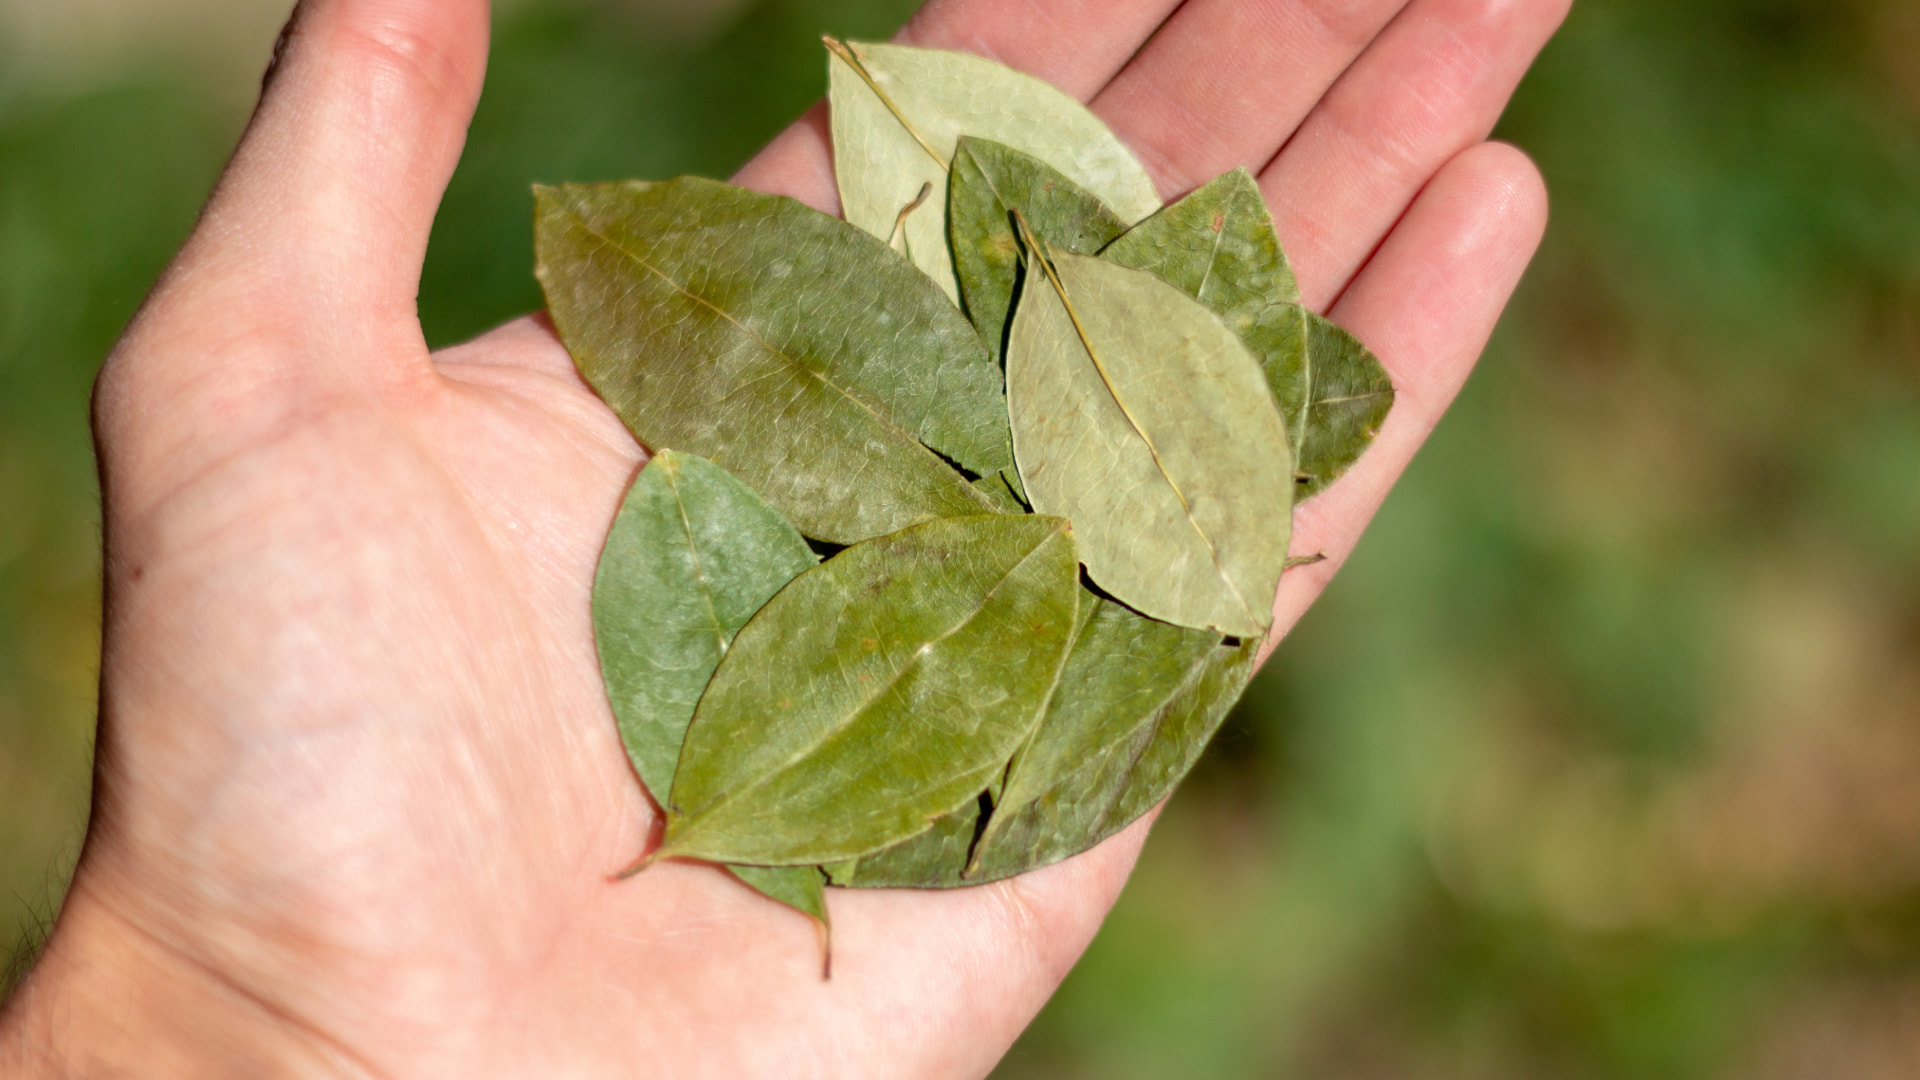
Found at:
(990, 183)
(793, 350)
(1219, 246)
(877, 692)
(1141, 417)
(898, 113)
(692, 554)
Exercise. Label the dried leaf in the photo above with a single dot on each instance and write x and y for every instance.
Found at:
(935, 859)
(692, 554)
(899, 111)
(990, 182)
(791, 349)
(1219, 246)
(803, 888)
(1349, 401)
(877, 692)
(1136, 705)
(1141, 417)
(999, 488)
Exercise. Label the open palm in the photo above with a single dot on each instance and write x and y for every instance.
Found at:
(359, 791)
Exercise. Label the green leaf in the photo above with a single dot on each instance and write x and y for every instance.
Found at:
(1136, 705)
(990, 182)
(935, 859)
(802, 888)
(839, 873)
(791, 349)
(1141, 417)
(899, 111)
(1001, 489)
(1349, 401)
(877, 692)
(692, 554)
(1219, 246)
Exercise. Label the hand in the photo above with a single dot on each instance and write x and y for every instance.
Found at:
(358, 790)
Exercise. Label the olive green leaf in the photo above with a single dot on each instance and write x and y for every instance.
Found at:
(935, 859)
(1001, 490)
(1349, 401)
(693, 553)
(898, 112)
(791, 349)
(802, 888)
(877, 692)
(1141, 417)
(1138, 702)
(839, 873)
(989, 183)
(1219, 246)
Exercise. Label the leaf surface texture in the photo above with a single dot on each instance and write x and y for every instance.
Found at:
(1219, 246)
(898, 113)
(1138, 702)
(692, 554)
(791, 349)
(877, 692)
(990, 182)
(1141, 417)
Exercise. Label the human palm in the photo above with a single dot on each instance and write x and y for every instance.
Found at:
(359, 790)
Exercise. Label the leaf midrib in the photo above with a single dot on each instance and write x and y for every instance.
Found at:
(1153, 451)
(720, 637)
(888, 426)
(852, 59)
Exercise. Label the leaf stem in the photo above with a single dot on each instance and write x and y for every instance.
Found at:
(639, 864)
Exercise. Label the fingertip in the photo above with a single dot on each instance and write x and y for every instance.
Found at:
(1426, 304)
(1515, 186)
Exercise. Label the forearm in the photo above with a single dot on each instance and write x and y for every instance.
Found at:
(106, 1000)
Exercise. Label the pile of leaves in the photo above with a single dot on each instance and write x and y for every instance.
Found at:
(1009, 364)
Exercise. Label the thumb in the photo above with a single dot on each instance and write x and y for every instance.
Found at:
(323, 213)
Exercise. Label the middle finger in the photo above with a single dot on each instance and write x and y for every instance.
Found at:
(1076, 45)
(1225, 82)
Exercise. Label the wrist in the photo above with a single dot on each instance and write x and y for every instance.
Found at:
(106, 999)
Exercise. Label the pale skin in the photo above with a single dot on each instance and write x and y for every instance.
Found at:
(359, 792)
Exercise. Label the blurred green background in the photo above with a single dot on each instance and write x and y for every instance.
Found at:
(1601, 759)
